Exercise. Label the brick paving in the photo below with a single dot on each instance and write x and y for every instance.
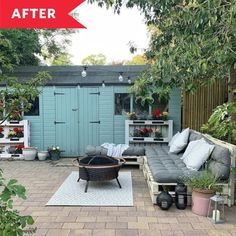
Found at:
(42, 179)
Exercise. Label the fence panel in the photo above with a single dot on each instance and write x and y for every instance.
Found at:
(198, 107)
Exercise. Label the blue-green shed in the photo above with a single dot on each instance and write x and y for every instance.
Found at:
(75, 111)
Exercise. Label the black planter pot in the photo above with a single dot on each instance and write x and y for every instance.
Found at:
(164, 200)
(1, 135)
(55, 156)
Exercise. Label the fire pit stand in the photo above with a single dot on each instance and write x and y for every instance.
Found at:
(99, 168)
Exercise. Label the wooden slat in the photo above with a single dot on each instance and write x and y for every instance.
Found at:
(198, 107)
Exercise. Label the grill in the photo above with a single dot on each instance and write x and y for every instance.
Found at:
(99, 168)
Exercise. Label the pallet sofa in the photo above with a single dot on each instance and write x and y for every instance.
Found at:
(162, 169)
(132, 155)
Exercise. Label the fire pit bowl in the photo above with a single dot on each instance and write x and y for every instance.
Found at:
(99, 168)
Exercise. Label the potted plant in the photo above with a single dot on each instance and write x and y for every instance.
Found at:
(19, 132)
(29, 153)
(19, 148)
(158, 133)
(164, 115)
(203, 188)
(54, 153)
(42, 155)
(15, 133)
(131, 115)
(156, 114)
(14, 116)
(12, 135)
(1, 132)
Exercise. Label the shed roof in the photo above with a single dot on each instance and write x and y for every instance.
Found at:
(71, 75)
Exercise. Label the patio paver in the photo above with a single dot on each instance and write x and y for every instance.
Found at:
(42, 179)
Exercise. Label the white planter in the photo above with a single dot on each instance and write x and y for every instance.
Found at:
(42, 155)
(29, 153)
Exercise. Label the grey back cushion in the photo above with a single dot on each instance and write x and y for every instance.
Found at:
(98, 150)
(219, 161)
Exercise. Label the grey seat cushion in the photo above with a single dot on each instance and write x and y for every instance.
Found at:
(98, 150)
(165, 167)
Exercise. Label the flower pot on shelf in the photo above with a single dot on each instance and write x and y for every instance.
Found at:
(29, 153)
(1, 135)
(42, 155)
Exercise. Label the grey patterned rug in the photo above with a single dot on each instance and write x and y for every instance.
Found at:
(107, 193)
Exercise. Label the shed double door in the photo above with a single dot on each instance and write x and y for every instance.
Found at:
(67, 120)
(77, 119)
(89, 122)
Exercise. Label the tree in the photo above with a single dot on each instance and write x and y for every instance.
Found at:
(137, 60)
(25, 46)
(94, 59)
(194, 45)
(62, 59)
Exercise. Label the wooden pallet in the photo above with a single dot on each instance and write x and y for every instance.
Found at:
(228, 188)
(134, 160)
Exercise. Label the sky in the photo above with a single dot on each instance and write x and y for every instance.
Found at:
(108, 33)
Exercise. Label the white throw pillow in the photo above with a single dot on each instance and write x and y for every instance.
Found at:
(180, 142)
(173, 138)
(190, 147)
(198, 154)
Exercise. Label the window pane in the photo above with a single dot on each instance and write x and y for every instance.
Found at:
(140, 110)
(122, 103)
(160, 104)
(34, 110)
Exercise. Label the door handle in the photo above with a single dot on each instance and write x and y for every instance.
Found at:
(59, 122)
(75, 109)
(95, 122)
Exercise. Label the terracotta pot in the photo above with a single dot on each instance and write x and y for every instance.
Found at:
(200, 200)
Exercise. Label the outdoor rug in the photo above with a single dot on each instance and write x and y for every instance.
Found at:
(107, 193)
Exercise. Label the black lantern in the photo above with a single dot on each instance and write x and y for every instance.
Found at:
(164, 200)
(181, 196)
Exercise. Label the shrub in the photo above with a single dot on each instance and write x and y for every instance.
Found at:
(11, 223)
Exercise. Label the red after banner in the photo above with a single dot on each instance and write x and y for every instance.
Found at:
(38, 14)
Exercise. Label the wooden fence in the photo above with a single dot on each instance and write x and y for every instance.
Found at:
(198, 107)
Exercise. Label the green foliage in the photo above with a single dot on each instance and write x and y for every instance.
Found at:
(25, 46)
(11, 223)
(220, 124)
(137, 60)
(18, 97)
(205, 181)
(193, 45)
(94, 59)
(62, 59)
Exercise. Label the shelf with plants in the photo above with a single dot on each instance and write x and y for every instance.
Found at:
(148, 131)
(13, 138)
